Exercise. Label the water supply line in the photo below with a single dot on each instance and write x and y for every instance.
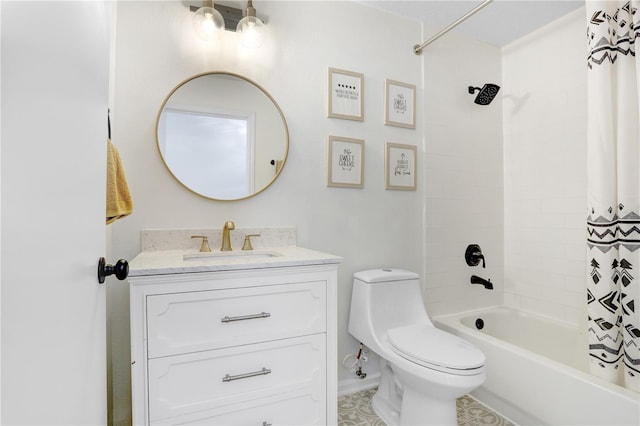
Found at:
(356, 365)
(417, 49)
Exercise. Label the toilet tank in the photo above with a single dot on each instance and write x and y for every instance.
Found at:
(382, 299)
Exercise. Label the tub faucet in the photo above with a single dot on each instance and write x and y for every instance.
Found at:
(226, 238)
(486, 283)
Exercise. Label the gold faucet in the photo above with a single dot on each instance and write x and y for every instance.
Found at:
(226, 239)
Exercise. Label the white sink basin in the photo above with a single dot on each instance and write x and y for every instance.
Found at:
(219, 256)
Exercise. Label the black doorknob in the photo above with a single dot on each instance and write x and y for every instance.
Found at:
(120, 269)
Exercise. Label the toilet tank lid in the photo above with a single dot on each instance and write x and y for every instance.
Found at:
(385, 275)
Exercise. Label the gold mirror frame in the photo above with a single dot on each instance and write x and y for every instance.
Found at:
(263, 91)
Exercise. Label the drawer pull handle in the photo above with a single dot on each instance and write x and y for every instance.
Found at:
(246, 317)
(263, 372)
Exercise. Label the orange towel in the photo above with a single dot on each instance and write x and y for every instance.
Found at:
(119, 202)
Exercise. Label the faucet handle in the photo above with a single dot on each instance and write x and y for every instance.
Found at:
(473, 255)
(247, 241)
(205, 242)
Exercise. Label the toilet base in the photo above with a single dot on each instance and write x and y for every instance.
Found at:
(416, 409)
(420, 409)
(399, 404)
(383, 408)
(387, 401)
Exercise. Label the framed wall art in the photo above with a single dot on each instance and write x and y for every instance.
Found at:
(345, 166)
(400, 166)
(400, 104)
(345, 97)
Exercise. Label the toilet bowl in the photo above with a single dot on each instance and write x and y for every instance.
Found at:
(423, 369)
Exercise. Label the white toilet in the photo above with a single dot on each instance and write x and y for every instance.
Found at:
(423, 369)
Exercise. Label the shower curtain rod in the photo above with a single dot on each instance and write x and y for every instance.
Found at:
(417, 49)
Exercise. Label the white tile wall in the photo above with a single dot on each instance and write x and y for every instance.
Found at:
(545, 107)
(463, 174)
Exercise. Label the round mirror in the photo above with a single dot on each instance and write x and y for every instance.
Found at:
(222, 136)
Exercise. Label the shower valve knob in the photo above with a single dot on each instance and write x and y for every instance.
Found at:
(473, 255)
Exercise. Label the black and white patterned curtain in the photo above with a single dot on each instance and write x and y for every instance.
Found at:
(613, 223)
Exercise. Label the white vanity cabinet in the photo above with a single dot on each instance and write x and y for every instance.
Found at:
(233, 346)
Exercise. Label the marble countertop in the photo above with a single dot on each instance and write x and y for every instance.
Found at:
(165, 262)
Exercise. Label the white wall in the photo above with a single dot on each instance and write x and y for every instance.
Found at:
(371, 227)
(545, 112)
(463, 168)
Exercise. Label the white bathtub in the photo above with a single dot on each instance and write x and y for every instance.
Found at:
(537, 371)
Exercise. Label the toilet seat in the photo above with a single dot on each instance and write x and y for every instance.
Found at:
(436, 349)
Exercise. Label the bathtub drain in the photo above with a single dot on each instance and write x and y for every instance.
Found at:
(479, 323)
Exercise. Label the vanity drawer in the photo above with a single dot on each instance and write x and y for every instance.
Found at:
(200, 382)
(303, 407)
(204, 320)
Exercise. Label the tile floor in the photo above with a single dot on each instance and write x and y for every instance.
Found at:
(356, 410)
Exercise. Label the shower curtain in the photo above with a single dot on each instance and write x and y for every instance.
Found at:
(613, 223)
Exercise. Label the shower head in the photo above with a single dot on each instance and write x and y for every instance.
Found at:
(487, 93)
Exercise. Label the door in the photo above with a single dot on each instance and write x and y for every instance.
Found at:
(55, 64)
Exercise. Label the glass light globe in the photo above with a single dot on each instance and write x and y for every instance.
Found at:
(252, 31)
(208, 23)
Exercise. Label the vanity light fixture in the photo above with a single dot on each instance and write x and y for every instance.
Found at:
(210, 19)
(208, 22)
(251, 28)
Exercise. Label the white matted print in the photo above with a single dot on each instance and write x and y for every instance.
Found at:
(400, 104)
(346, 94)
(400, 166)
(345, 162)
